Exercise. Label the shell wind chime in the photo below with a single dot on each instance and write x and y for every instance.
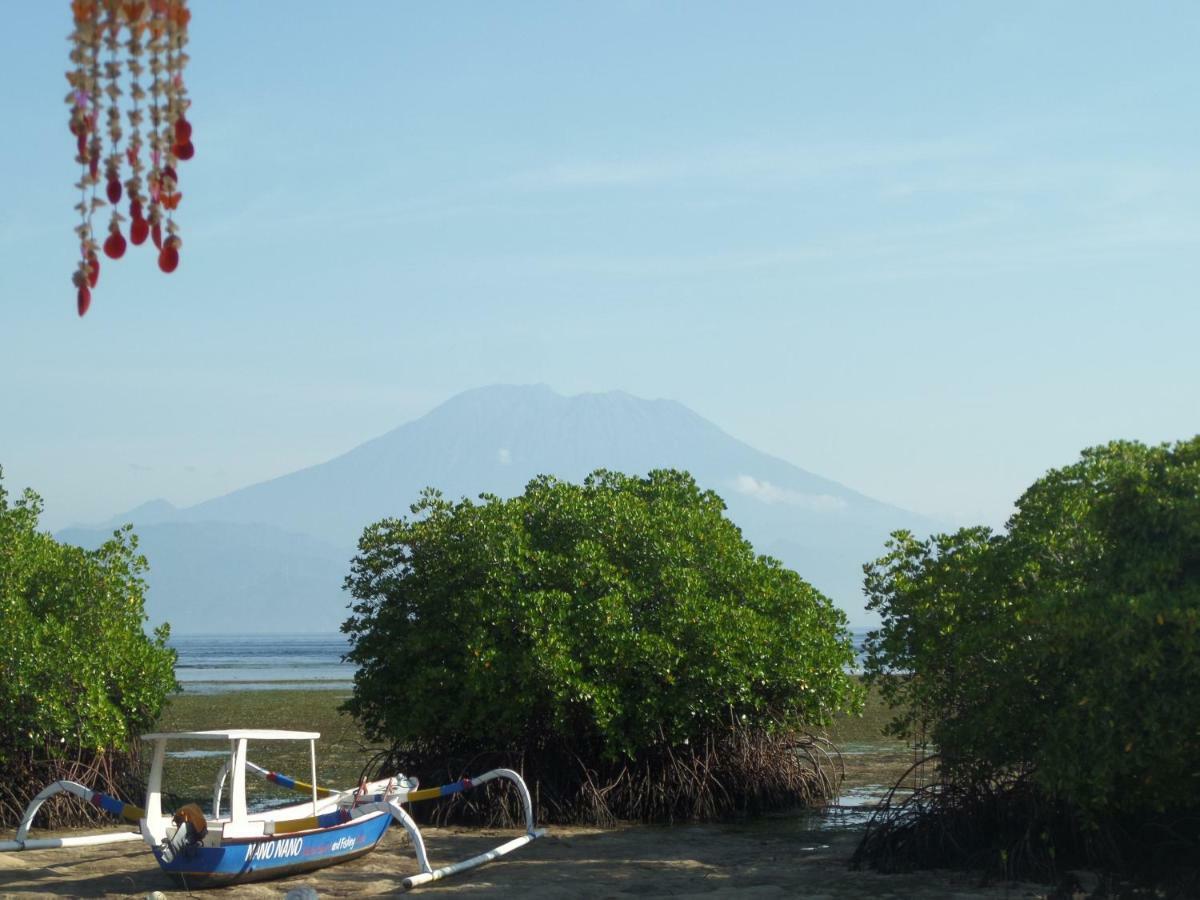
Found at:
(114, 44)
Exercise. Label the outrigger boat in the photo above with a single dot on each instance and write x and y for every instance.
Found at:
(332, 827)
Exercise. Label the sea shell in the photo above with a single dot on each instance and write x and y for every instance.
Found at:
(114, 245)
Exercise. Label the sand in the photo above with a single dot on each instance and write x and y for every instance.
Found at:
(769, 858)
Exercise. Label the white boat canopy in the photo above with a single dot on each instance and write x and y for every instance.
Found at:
(154, 825)
(236, 734)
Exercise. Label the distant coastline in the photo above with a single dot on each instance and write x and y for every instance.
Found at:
(221, 663)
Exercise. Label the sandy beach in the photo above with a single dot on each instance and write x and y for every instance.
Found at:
(769, 858)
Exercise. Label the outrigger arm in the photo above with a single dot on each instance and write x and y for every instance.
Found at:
(428, 873)
(110, 805)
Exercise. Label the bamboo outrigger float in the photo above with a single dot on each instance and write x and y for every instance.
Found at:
(332, 827)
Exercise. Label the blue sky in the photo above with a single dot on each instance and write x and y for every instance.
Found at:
(929, 250)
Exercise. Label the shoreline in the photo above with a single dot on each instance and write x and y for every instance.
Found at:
(214, 688)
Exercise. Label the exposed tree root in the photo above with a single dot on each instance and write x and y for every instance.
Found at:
(117, 773)
(1008, 828)
(738, 773)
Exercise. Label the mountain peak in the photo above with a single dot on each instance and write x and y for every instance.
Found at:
(500, 397)
(495, 439)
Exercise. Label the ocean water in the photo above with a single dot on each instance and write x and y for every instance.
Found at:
(859, 637)
(216, 663)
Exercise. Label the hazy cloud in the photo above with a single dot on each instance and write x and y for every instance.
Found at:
(504, 457)
(770, 493)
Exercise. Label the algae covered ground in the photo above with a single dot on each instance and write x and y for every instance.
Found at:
(872, 760)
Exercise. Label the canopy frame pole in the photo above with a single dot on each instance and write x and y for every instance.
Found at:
(312, 753)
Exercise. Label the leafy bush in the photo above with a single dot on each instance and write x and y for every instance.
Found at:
(590, 629)
(1065, 653)
(79, 678)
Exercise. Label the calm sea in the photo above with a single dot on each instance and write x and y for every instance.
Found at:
(215, 663)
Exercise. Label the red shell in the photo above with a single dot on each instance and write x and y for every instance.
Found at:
(168, 259)
(156, 234)
(184, 151)
(114, 246)
(139, 230)
(183, 131)
(113, 190)
(94, 166)
(169, 172)
(83, 299)
(93, 262)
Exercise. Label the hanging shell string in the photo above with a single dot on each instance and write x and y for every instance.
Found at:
(176, 131)
(139, 228)
(157, 40)
(182, 146)
(82, 124)
(114, 244)
(157, 28)
(93, 144)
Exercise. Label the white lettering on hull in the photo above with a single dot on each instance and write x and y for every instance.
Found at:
(282, 849)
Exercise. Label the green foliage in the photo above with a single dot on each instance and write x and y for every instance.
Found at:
(77, 673)
(608, 618)
(1068, 648)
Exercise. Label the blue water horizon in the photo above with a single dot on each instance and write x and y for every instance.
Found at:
(220, 663)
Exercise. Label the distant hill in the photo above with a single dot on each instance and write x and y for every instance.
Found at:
(284, 545)
(234, 577)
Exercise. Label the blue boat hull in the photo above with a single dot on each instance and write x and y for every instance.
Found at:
(256, 859)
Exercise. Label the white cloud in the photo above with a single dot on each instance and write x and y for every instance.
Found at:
(504, 457)
(770, 493)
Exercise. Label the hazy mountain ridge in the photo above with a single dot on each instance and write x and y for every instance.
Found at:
(489, 439)
(229, 576)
